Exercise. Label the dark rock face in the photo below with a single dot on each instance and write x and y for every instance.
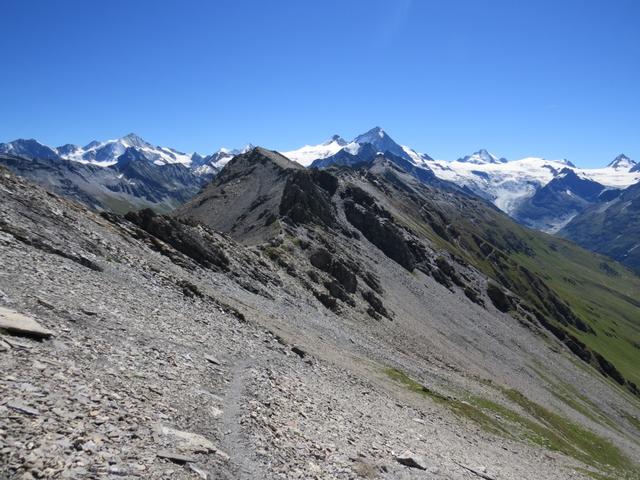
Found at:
(499, 298)
(305, 201)
(327, 300)
(325, 261)
(378, 227)
(181, 236)
(375, 302)
(336, 290)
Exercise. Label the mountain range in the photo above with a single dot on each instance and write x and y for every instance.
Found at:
(119, 175)
(130, 173)
(364, 320)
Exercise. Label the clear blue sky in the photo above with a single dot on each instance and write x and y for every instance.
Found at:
(554, 78)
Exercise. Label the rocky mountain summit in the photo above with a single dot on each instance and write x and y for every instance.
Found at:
(299, 323)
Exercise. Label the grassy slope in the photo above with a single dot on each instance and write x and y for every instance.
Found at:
(600, 292)
(518, 418)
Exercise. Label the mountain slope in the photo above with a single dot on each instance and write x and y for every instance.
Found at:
(327, 350)
(558, 292)
(518, 259)
(612, 228)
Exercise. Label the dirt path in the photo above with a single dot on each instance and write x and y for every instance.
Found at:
(234, 441)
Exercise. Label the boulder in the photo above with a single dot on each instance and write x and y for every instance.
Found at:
(19, 324)
(409, 459)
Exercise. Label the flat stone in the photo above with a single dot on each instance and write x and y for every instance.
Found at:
(19, 324)
(18, 407)
(175, 457)
(409, 459)
(212, 359)
(187, 441)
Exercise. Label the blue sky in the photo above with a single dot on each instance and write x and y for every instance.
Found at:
(559, 79)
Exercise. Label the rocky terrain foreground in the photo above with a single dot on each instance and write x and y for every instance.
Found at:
(154, 347)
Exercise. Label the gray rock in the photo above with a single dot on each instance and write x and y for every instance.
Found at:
(175, 457)
(19, 407)
(19, 324)
(409, 459)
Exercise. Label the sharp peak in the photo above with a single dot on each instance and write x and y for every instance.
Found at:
(134, 139)
(622, 159)
(131, 135)
(374, 135)
(335, 138)
(375, 130)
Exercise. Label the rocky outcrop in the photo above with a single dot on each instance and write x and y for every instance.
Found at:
(377, 226)
(188, 239)
(307, 198)
(327, 262)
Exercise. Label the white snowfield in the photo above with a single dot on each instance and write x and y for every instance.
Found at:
(307, 154)
(504, 184)
(106, 153)
(508, 184)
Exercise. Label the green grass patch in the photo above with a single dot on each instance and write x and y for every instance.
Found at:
(459, 407)
(534, 423)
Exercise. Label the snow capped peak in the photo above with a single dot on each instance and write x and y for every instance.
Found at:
(337, 139)
(133, 140)
(482, 157)
(373, 136)
(380, 141)
(622, 162)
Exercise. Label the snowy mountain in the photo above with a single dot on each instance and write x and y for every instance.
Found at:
(106, 153)
(505, 184)
(622, 162)
(307, 154)
(542, 194)
(363, 148)
(482, 157)
(508, 184)
(124, 174)
(554, 205)
(539, 193)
